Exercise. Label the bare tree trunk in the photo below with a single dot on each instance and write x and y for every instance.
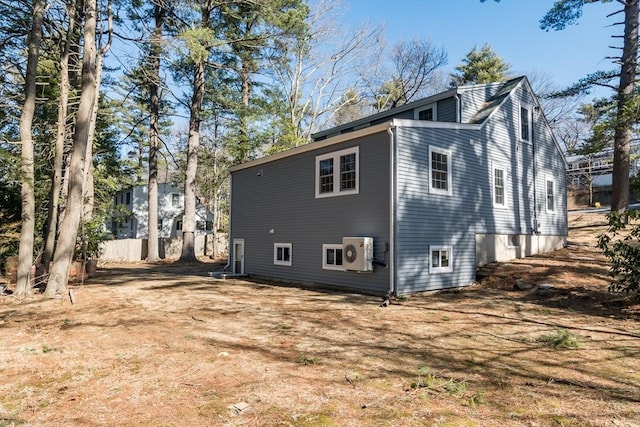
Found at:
(56, 180)
(69, 230)
(88, 186)
(624, 119)
(25, 254)
(189, 218)
(153, 254)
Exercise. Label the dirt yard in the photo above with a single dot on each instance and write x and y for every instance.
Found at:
(167, 345)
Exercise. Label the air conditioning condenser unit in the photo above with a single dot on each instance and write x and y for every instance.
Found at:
(357, 253)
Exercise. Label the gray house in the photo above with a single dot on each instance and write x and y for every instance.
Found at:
(408, 200)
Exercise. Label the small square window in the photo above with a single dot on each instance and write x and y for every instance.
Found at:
(282, 254)
(332, 257)
(441, 259)
(427, 113)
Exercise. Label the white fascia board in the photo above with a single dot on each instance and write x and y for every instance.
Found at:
(382, 127)
(434, 125)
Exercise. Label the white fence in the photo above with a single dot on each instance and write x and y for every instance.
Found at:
(131, 250)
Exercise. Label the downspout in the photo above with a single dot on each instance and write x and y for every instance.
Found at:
(536, 230)
(230, 247)
(392, 209)
(458, 108)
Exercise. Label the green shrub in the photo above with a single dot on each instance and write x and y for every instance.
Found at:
(621, 245)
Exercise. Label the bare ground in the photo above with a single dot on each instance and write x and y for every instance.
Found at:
(167, 345)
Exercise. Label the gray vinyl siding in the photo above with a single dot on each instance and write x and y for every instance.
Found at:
(527, 166)
(472, 99)
(447, 110)
(424, 219)
(280, 196)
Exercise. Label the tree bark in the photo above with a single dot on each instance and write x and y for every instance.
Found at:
(189, 219)
(69, 229)
(624, 118)
(153, 254)
(61, 133)
(25, 253)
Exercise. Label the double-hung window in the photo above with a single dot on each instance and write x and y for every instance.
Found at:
(332, 257)
(499, 187)
(441, 259)
(175, 200)
(337, 173)
(282, 254)
(525, 124)
(440, 171)
(550, 194)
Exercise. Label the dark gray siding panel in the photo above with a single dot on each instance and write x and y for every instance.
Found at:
(280, 196)
(447, 110)
(425, 219)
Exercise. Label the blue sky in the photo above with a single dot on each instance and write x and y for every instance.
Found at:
(511, 28)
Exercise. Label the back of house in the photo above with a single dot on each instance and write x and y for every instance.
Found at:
(407, 200)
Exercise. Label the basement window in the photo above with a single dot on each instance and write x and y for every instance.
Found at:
(332, 257)
(441, 259)
(282, 254)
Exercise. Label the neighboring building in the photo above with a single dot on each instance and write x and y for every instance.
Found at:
(170, 210)
(590, 177)
(408, 200)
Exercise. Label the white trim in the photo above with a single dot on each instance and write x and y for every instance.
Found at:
(529, 109)
(449, 190)
(335, 156)
(435, 125)
(276, 246)
(330, 246)
(550, 179)
(314, 146)
(440, 269)
(433, 106)
(494, 167)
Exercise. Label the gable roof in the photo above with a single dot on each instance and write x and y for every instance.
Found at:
(494, 102)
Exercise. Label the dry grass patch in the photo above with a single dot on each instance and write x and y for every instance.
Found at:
(168, 345)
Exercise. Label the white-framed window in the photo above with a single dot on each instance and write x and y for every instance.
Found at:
(440, 259)
(332, 257)
(282, 254)
(428, 112)
(440, 171)
(550, 194)
(499, 186)
(337, 173)
(175, 200)
(525, 123)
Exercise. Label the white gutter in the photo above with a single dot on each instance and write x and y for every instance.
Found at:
(392, 209)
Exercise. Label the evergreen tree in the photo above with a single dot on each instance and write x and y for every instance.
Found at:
(480, 66)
